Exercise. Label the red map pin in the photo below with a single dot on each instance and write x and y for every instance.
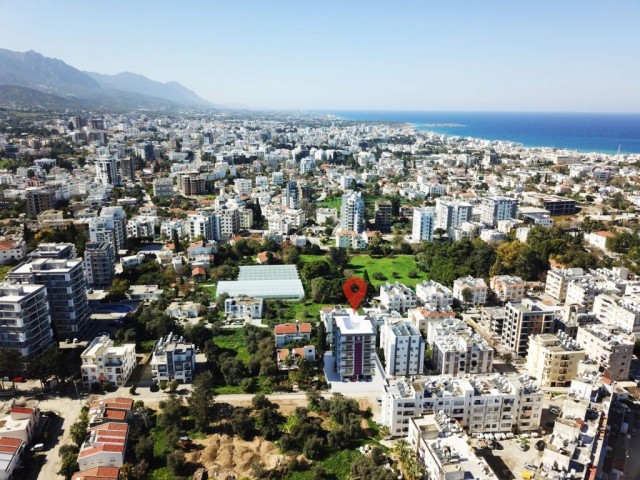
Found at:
(354, 289)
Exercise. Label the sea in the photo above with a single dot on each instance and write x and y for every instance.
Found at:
(584, 132)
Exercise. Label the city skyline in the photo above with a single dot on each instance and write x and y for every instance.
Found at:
(541, 56)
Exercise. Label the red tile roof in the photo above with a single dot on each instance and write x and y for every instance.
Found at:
(28, 411)
(291, 328)
(102, 473)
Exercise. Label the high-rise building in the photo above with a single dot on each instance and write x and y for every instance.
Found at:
(173, 359)
(107, 171)
(99, 264)
(450, 214)
(110, 226)
(39, 200)
(54, 250)
(352, 213)
(553, 360)
(66, 289)
(148, 152)
(204, 225)
(383, 215)
(127, 169)
(26, 323)
(495, 209)
(163, 187)
(403, 348)
(353, 346)
(524, 319)
(423, 224)
(191, 183)
(290, 195)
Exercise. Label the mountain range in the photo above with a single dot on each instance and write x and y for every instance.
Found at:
(29, 79)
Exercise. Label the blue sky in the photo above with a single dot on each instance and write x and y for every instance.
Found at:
(502, 55)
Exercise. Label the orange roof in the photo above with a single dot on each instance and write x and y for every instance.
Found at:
(22, 410)
(605, 233)
(103, 473)
(115, 414)
(263, 257)
(10, 442)
(7, 245)
(198, 271)
(290, 328)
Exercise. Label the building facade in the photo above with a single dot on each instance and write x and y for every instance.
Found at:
(99, 264)
(102, 361)
(553, 359)
(403, 348)
(173, 359)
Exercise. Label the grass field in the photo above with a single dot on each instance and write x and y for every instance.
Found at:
(4, 269)
(233, 339)
(331, 202)
(337, 464)
(401, 264)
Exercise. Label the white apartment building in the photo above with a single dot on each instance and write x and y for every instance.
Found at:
(434, 294)
(526, 318)
(110, 226)
(107, 171)
(456, 354)
(352, 212)
(553, 359)
(621, 312)
(286, 333)
(104, 446)
(476, 286)
(508, 288)
(450, 214)
(444, 450)
(25, 320)
(496, 209)
(424, 316)
(583, 292)
(203, 225)
(12, 250)
(423, 224)
(403, 348)
(242, 186)
(102, 361)
(558, 280)
(609, 347)
(486, 403)
(243, 307)
(353, 240)
(173, 359)
(163, 187)
(141, 226)
(396, 296)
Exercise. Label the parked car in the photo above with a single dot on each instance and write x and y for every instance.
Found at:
(75, 340)
(555, 410)
(540, 445)
(19, 380)
(38, 447)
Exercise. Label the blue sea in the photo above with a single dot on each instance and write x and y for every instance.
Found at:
(585, 132)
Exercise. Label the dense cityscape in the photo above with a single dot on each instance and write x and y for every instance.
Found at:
(173, 305)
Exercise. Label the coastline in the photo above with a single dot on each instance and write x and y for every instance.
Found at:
(581, 133)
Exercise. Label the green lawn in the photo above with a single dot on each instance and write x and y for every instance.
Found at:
(337, 464)
(162, 474)
(312, 258)
(211, 289)
(401, 264)
(331, 202)
(4, 269)
(233, 339)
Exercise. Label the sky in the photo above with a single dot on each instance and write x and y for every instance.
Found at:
(441, 55)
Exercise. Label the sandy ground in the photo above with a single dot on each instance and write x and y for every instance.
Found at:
(231, 457)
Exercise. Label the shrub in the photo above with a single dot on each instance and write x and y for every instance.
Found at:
(154, 388)
(379, 276)
(412, 274)
(173, 386)
(163, 385)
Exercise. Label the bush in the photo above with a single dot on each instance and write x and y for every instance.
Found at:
(154, 388)
(412, 274)
(249, 385)
(163, 385)
(173, 386)
(379, 276)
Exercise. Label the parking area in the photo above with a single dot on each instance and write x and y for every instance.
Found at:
(510, 457)
(337, 385)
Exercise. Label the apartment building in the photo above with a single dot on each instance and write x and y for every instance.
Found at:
(444, 450)
(553, 359)
(20, 422)
(173, 359)
(396, 296)
(12, 250)
(163, 187)
(54, 250)
(102, 361)
(434, 294)
(423, 224)
(496, 209)
(476, 286)
(424, 316)
(39, 200)
(508, 288)
(110, 226)
(191, 183)
(99, 264)
(403, 348)
(451, 214)
(66, 290)
(104, 446)
(286, 333)
(618, 311)
(383, 215)
(583, 292)
(11, 449)
(609, 347)
(458, 353)
(243, 307)
(524, 319)
(558, 281)
(353, 346)
(352, 213)
(141, 227)
(486, 403)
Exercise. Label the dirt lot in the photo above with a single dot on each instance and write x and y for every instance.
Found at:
(223, 456)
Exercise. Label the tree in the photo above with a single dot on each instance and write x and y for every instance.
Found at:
(467, 295)
(242, 423)
(313, 448)
(118, 290)
(11, 363)
(176, 461)
(198, 334)
(50, 363)
(69, 465)
(78, 430)
(201, 400)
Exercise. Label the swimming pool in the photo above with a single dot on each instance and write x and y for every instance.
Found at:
(117, 308)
